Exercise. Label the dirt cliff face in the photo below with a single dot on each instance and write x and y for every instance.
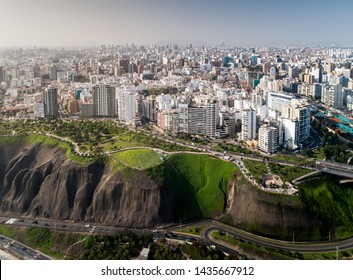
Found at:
(38, 181)
(275, 215)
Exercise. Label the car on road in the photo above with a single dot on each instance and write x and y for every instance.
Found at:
(46, 224)
(34, 222)
(24, 248)
(87, 226)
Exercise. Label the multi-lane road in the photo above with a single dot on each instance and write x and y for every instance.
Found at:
(20, 250)
(25, 252)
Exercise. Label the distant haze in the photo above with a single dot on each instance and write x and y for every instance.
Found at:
(93, 22)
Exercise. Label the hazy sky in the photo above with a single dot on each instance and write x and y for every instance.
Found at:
(256, 22)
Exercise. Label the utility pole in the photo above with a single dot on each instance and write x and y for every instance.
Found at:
(336, 252)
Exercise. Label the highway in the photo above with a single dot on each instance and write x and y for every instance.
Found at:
(304, 247)
(339, 169)
(20, 250)
(171, 232)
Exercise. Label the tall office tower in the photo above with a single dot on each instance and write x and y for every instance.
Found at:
(132, 68)
(248, 125)
(2, 74)
(293, 72)
(124, 63)
(302, 115)
(51, 102)
(149, 110)
(317, 91)
(36, 70)
(268, 139)
(126, 103)
(53, 74)
(104, 101)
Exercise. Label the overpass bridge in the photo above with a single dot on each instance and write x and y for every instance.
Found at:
(335, 168)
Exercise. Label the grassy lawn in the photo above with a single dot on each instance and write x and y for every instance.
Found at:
(91, 136)
(288, 173)
(138, 158)
(256, 168)
(194, 230)
(289, 158)
(326, 197)
(198, 181)
(45, 140)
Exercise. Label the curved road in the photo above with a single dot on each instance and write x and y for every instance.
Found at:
(318, 247)
(205, 237)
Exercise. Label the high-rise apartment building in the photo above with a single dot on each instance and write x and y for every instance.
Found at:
(291, 133)
(211, 117)
(248, 125)
(104, 101)
(197, 120)
(301, 113)
(335, 97)
(268, 139)
(277, 100)
(126, 103)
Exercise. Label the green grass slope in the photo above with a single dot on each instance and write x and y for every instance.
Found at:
(198, 182)
(138, 158)
(325, 196)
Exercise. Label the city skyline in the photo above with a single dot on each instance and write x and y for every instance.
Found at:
(259, 23)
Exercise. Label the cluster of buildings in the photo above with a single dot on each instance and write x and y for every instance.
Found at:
(259, 96)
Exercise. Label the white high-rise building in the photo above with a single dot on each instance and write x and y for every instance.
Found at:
(350, 102)
(248, 125)
(301, 113)
(291, 133)
(104, 101)
(268, 139)
(126, 103)
(335, 97)
(277, 100)
(212, 117)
